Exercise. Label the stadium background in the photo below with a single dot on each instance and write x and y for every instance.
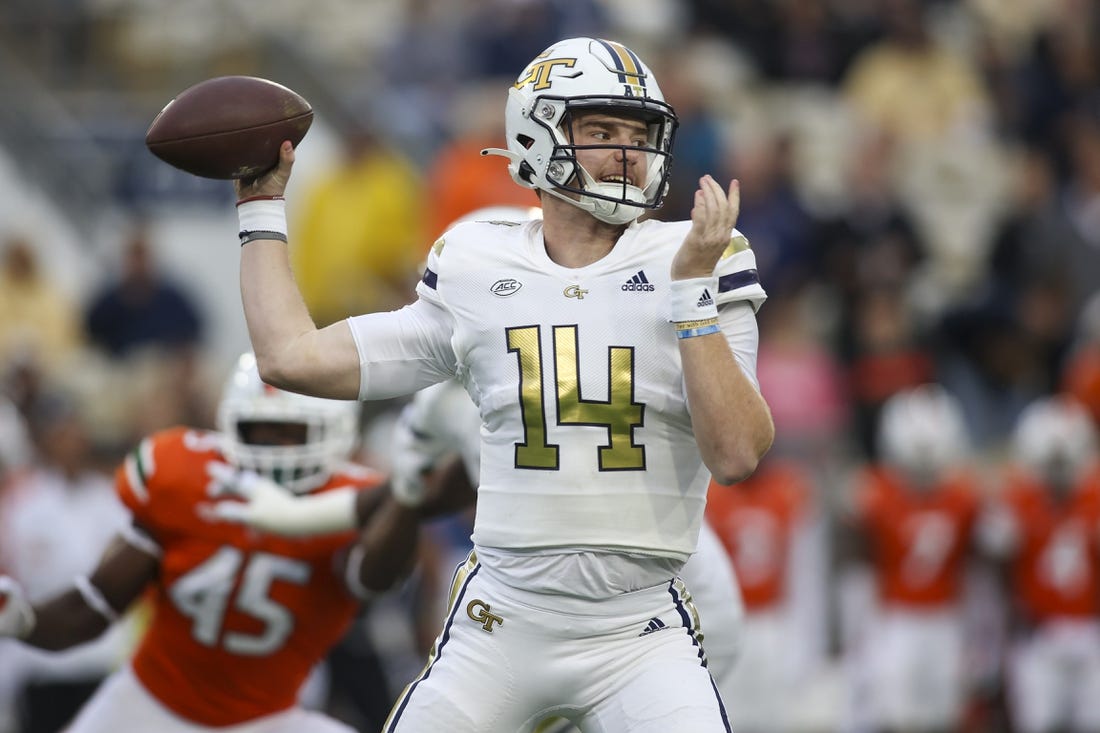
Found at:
(917, 216)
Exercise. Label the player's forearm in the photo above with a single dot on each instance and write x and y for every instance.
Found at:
(276, 315)
(291, 353)
(64, 622)
(388, 545)
(732, 423)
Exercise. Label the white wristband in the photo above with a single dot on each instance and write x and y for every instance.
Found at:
(693, 300)
(262, 215)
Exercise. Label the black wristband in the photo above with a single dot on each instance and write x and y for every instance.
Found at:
(247, 237)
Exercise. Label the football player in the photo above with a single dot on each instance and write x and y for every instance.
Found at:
(760, 522)
(237, 619)
(914, 512)
(613, 365)
(440, 422)
(1044, 524)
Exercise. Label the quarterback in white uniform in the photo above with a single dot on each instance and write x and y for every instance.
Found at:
(582, 339)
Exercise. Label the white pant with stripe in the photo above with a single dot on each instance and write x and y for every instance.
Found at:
(508, 659)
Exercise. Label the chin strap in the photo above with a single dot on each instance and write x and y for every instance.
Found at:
(611, 212)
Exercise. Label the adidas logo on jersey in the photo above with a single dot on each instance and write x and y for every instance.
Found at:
(638, 283)
(655, 624)
(705, 300)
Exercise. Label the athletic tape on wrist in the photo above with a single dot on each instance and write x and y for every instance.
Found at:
(265, 216)
(693, 299)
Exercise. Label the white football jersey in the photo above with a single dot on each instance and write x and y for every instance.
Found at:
(586, 438)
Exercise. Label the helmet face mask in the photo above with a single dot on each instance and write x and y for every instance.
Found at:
(295, 440)
(572, 78)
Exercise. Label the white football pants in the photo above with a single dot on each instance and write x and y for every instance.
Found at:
(507, 659)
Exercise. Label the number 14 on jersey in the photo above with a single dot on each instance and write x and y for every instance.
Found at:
(619, 414)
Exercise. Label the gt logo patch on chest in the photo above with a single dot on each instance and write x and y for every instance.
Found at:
(575, 291)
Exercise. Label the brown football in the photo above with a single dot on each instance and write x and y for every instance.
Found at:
(228, 127)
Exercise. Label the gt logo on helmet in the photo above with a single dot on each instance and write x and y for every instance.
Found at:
(538, 73)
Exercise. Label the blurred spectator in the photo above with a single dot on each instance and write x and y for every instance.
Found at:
(984, 359)
(872, 242)
(761, 522)
(360, 234)
(772, 215)
(802, 380)
(885, 354)
(1033, 197)
(1061, 69)
(503, 33)
(56, 517)
(913, 88)
(700, 147)
(143, 307)
(912, 520)
(460, 178)
(423, 63)
(1055, 232)
(1044, 527)
(39, 326)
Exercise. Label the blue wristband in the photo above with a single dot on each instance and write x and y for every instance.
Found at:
(687, 333)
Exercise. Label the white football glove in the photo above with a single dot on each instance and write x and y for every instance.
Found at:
(16, 614)
(271, 508)
(415, 451)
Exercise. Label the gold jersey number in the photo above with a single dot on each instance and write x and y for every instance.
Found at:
(619, 414)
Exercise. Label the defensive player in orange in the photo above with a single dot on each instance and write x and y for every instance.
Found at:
(759, 521)
(238, 618)
(1045, 524)
(914, 512)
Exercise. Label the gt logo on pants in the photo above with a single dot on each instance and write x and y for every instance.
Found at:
(479, 611)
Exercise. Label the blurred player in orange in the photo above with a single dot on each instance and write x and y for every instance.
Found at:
(757, 522)
(238, 618)
(914, 515)
(1046, 523)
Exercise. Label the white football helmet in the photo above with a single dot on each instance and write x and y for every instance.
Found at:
(587, 74)
(922, 432)
(330, 430)
(1055, 438)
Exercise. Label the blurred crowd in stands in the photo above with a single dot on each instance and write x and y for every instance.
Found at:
(920, 183)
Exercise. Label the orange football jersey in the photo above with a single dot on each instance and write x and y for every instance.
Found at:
(755, 521)
(919, 538)
(1055, 570)
(238, 618)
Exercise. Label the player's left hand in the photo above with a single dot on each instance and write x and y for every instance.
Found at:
(271, 508)
(712, 220)
(261, 496)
